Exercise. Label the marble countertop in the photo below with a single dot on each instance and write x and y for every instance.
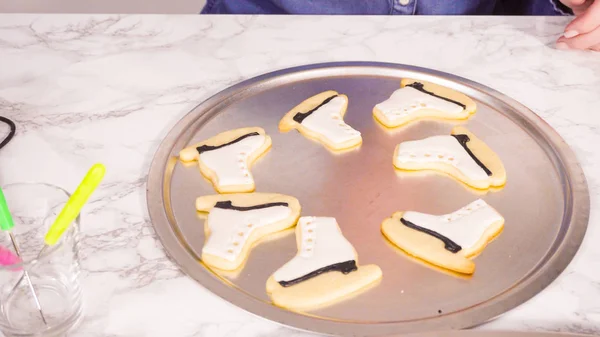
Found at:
(108, 88)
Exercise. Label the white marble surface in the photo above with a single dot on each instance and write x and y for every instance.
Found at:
(108, 88)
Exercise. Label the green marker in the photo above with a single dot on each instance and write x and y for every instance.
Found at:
(6, 221)
(7, 224)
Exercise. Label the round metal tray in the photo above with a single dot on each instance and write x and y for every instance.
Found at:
(545, 202)
(479, 333)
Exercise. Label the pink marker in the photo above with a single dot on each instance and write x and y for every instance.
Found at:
(8, 258)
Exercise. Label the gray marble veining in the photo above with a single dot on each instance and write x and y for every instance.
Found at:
(107, 88)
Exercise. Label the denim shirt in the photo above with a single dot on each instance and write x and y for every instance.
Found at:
(388, 7)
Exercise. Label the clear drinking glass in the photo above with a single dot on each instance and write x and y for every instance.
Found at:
(54, 273)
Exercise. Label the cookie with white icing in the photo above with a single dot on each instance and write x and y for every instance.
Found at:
(225, 159)
(325, 269)
(461, 155)
(235, 222)
(448, 241)
(417, 100)
(321, 118)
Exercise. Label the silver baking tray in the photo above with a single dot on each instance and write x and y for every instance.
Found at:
(479, 333)
(545, 201)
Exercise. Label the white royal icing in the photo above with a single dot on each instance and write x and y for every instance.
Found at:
(408, 100)
(328, 122)
(230, 229)
(441, 149)
(230, 163)
(465, 226)
(323, 245)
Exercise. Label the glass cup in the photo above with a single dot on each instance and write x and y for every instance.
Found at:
(47, 278)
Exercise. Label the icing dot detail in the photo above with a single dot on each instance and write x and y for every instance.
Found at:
(465, 211)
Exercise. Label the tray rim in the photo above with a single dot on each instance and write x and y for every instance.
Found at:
(492, 333)
(523, 291)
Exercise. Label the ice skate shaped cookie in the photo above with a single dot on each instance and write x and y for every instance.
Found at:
(461, 155)
(235, 222)
(321, 118)
(446, 240)
(324, 271)
(417, 100)
(225, 158)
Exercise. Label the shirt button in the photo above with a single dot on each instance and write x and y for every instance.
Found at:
(404, 2)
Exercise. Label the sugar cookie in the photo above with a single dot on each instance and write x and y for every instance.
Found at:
(324, 271)
(418, 100)
(447, 240)
(225, 158)
(321, 118)
(235, 222)
(461, 155)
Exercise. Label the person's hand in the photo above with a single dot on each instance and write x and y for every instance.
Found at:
(584, 31)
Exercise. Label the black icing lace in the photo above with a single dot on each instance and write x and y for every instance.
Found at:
(11, 133)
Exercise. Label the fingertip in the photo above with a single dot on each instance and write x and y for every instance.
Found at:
(571, 33)
(573, 25)
(562, 39)
(562, 46)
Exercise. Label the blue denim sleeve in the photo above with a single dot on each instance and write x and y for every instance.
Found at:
(347, 7)
(241, 7)
(383, 7)
(535, 7)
